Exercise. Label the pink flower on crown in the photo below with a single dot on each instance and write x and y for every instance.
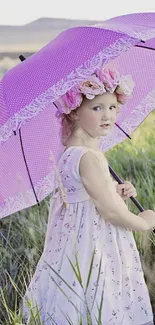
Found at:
(126, 85)
(73, 98)
(110, 78)
(92, 87)
(69, 101)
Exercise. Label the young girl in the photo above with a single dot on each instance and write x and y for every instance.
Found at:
(89, 218)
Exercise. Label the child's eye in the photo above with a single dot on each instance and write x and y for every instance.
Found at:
(97, 108)
(112, 107)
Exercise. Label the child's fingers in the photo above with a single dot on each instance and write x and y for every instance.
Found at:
(130, 193)
(128, 185)
(127, 189)
(124, 187)
(130, 189)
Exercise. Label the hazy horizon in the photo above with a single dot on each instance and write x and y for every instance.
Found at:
(30, 38)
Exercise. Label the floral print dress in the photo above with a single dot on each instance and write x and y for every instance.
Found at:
(76, 232)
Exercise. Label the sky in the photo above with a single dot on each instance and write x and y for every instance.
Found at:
(20, 12)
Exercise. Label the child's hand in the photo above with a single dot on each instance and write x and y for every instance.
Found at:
(126, 190)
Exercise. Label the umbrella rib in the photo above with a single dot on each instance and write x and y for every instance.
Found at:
(22, 58)
(145, 47)
(123, 131)
(27, 168)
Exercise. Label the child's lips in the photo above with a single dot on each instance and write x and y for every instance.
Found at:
(105, 125)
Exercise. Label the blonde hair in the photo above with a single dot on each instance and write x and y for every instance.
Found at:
(68, 123)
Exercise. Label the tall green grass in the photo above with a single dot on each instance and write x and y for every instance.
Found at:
(22, 235)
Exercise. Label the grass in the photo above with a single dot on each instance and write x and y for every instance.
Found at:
(22, 235)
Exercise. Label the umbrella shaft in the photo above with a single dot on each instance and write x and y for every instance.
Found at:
(138, 205)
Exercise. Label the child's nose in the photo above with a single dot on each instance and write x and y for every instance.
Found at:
(106, 115)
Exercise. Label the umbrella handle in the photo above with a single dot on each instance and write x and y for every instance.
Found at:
(138, 205)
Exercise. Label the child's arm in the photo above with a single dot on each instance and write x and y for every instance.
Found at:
(108, 203)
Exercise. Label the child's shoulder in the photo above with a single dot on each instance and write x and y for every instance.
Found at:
(83, 149)
(72, 156)
(73, 153)
(70, 165)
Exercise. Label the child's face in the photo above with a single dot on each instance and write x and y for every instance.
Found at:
(93, 114)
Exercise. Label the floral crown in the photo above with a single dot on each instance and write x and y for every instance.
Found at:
(102, 81)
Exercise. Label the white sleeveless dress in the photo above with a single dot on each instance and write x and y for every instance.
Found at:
(117, 278)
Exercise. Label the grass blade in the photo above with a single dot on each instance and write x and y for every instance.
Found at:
(65, 282)
(98, 277)
(65, 294)
(78, 275)
(100, 309)
(90, 270)
(78, 268)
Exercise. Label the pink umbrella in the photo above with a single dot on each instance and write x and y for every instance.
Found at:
(28, 127)
(113, 173)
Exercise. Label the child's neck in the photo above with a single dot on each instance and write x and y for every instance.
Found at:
(83, 143)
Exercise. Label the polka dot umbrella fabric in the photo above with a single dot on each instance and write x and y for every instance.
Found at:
(30, 143)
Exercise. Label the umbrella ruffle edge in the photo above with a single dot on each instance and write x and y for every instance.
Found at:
(53, 93)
